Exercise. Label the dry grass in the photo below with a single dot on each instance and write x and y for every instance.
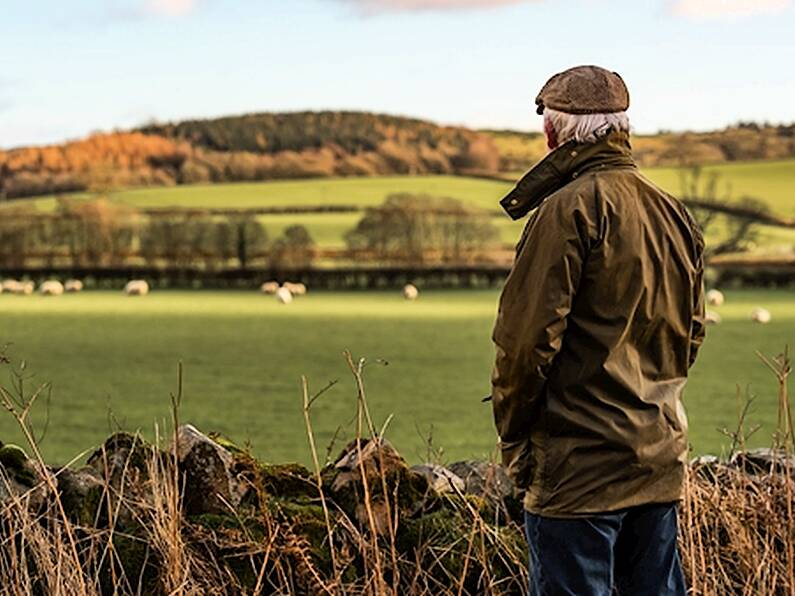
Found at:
(737, 529)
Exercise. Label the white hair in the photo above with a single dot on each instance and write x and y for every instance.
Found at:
(584, 128)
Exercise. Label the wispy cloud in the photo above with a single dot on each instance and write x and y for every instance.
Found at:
(732, 9)
(170, 8)
(379, 6)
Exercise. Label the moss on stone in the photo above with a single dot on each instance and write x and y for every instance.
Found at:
(287, 481)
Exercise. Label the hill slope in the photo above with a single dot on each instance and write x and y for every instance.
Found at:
(267, 146)
(244, 148)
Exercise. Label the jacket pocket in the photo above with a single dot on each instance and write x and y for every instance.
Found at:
(518, 461)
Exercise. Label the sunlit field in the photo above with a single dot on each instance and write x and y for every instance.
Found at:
(771, 182)
(112, 361)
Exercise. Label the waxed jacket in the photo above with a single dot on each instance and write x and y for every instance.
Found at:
(599, 321)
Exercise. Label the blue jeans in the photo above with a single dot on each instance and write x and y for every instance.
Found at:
(629, 552)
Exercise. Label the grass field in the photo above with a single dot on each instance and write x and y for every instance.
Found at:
(113, 359)
(773, 182)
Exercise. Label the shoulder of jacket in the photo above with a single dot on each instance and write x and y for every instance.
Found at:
(582, 187)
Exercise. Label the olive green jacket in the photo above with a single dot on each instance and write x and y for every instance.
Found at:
(599, 321)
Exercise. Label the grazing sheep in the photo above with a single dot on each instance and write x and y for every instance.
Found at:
(760, 315)
(73, 285)
(9, 285)
(26, 288)
(51, 288)
(136, 287)
(410, 292)
(712, 318)
(298, 289)
(269, 287)
(715, 298)
(284, 296)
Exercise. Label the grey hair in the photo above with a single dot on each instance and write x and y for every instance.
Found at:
(584, 128)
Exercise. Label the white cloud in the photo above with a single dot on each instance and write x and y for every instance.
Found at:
(376, 6)
(711, 9)
(170, 8)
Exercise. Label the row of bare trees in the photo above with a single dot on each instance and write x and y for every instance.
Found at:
(103, 234)
(406, 230)
(418, 230)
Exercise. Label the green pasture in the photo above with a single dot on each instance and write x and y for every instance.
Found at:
(112, 361)
(772, 182)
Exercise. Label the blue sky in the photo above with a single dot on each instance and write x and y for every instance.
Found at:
(70, 68)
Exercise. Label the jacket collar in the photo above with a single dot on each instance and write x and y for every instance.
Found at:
(563, 165)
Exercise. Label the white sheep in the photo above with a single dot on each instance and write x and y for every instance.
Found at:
(715, 298)
(269, 287)
(51, 288)
(410, 292)
(26, 288)
(296, 289)
(136, 287)
(712, 318)
(284, 296)
(760, 315)
(73, 285)
(10, 285)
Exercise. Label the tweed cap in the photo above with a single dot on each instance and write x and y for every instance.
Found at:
(584, 90)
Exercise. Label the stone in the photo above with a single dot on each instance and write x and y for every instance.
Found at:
(81, 493)
(704, 460)
(20, 478)
(440, 478)
(212, 484)
(490, 482)
(484, 479)
(122, 459)
(378, 457)
(382, 465)
(764, 461)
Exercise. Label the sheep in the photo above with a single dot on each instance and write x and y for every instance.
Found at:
(73, 285)
(712, 318)
(284, 296)
(51, 288)
(10, 285)
(269, 287)
(715, 298)
(136, 287)
(296, 289)
(410, 292)
(760, 315)
(26, 288)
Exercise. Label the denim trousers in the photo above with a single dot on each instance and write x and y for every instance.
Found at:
(631, 552)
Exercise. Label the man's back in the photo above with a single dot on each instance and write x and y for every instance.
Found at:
(600, 308)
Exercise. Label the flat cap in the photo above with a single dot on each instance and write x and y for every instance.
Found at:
(584, 90)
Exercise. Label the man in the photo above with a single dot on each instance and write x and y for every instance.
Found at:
(598, 324)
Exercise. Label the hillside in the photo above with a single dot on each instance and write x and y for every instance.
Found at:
(265, 146)
(245, 148)
(743, 142)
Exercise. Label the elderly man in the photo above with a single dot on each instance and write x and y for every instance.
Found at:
(598, 324)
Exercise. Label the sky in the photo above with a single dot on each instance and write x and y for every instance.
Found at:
(70, 68)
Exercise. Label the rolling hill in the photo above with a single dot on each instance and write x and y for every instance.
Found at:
(265, 146)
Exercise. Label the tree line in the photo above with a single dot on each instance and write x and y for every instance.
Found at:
(101, 234)
(407, 230)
